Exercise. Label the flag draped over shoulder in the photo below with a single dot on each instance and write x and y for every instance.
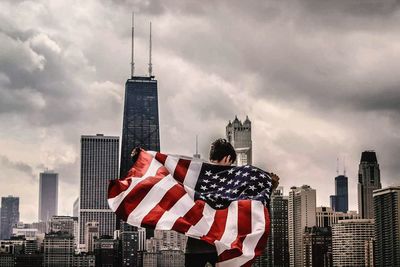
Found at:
(222, 205)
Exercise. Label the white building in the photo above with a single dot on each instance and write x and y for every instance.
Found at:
(302, 214)
(99, 164)
(351, 241)
(326, 216)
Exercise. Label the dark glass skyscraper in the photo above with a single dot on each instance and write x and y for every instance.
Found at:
(9, 215)
(340, 201)
(140, 122)
(369, 179)
(48, 195)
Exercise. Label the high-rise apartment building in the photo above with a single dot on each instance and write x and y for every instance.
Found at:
(369, 179)
(9, 215)
(301, 214)
(351, 241)
(239, 135)
(99, 164)
(340, 201)
(387, 226)
(48, 195)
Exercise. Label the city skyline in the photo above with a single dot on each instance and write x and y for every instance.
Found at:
(307, 107)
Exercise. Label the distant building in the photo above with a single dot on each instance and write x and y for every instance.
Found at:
(75, 208)
(58, 250)
(28, 260)
(317, 246)
(239, 135)
(369, 179)
(66, 224)
(340, 201)
(6, 260)
(387, 226)
(91, 234)
(42, 227)
(9, 215)
(301, 214)
(351, 242)
(48, 195)
(326, 216)
(129, 238)
(171, 239)
(141, 239)
(84, 260)
(99, 164)
(171, 258)
(106, 252)
(150, 259)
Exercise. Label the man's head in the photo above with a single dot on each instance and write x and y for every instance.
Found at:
(222, 152)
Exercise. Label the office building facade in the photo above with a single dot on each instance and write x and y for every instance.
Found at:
(340, 201)
(99, 164)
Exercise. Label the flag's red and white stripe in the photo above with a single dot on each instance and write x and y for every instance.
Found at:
(158, 193)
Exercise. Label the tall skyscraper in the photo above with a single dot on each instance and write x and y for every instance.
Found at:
(351, 241)
(9, 215)
(369, 179)
(340, 201)
(48, 195)
(302, 214)
(99, 164)
(239, 135)
(387, 226)
(140, 120)
(277, 250)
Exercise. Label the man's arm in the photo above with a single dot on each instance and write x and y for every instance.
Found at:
(275, 180)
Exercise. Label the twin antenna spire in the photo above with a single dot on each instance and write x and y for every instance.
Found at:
(133, 50)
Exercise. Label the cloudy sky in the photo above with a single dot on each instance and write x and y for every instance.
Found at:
(318, 79)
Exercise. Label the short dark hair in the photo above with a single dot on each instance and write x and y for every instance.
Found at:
(221, 148)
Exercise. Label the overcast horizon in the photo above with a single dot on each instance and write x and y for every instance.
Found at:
(318, 79)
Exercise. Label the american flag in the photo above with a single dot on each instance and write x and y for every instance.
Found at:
(222, 205)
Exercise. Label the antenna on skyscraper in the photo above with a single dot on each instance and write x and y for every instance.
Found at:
(133, 46)
(337, 166)
(344, 166)
(150, 65)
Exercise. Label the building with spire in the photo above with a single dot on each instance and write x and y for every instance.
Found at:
(140, 119)
(239, 135)
(369, 179)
